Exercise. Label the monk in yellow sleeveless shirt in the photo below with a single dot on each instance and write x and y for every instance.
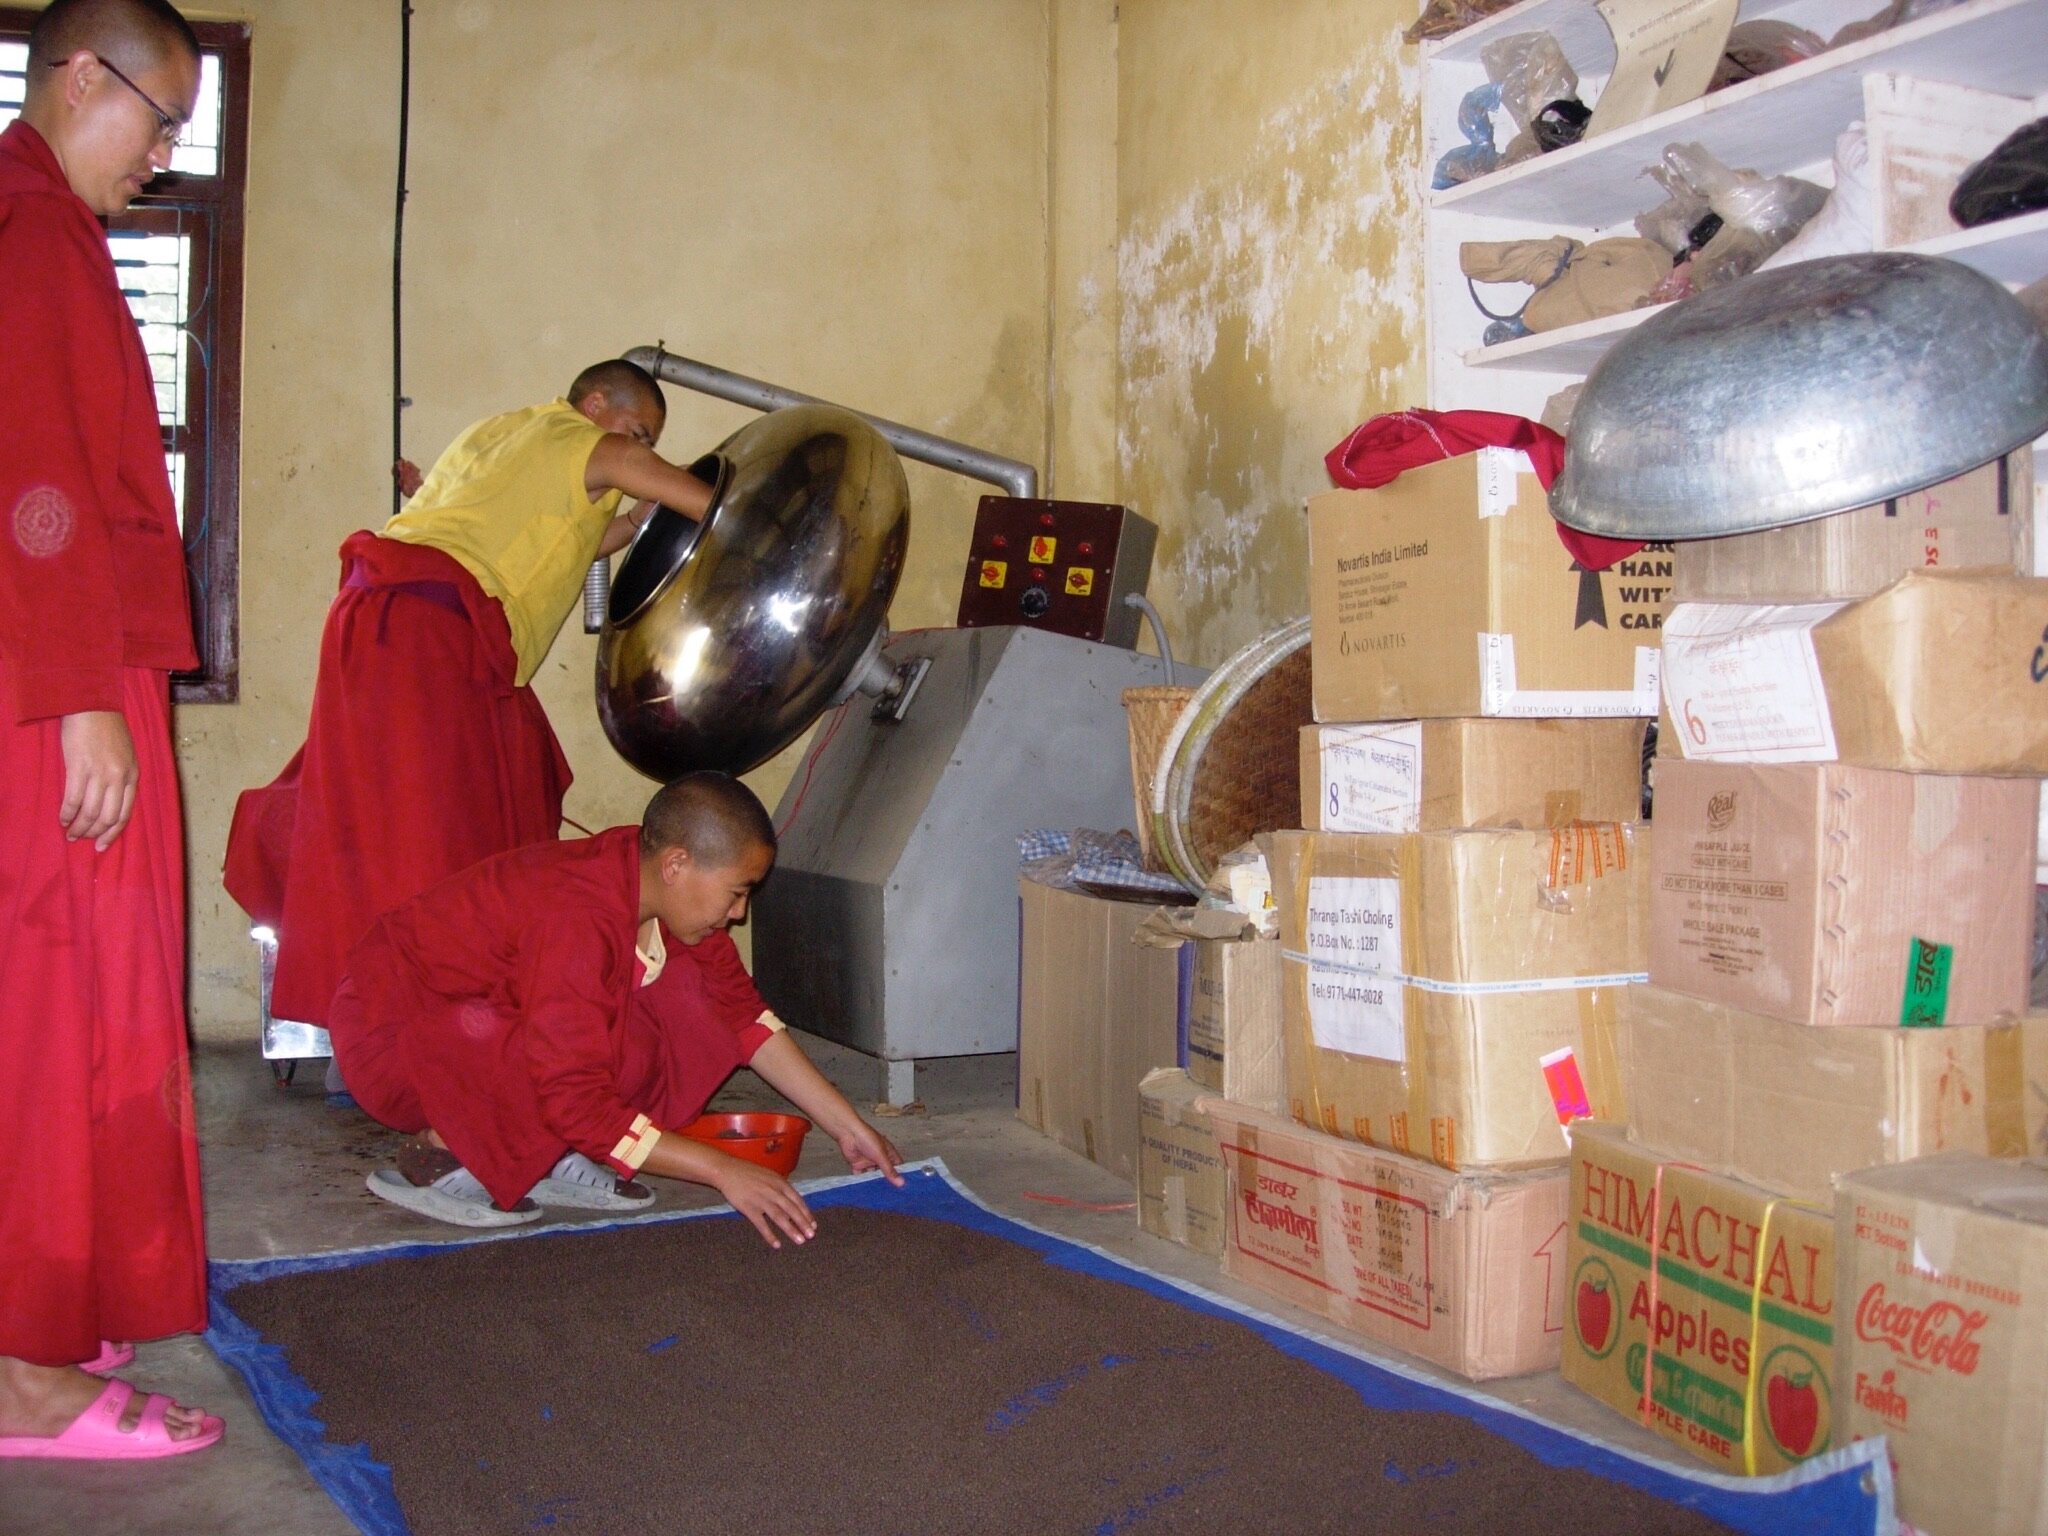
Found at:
(426, 750)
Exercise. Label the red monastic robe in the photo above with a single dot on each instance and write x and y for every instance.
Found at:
(422, 757)
(504, 1009)
(100, 1224)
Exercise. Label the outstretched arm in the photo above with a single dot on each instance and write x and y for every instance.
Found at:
(620, 463)
(761, 1195)
(781, 1062)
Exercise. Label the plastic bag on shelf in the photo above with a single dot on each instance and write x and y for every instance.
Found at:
(1476, 156)
(1535, 79)
(1848, 222)
(2010, 181)
(1897, 14)
(1677, 285)
(1672, 221)
(1758, 213)
(1440, 18)
(1758, 47)
(1557, 410)
(1531, 71)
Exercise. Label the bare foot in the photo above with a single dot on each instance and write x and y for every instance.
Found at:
(43, 1400)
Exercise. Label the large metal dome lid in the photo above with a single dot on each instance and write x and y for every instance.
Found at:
(724, 641)
(1799, 392)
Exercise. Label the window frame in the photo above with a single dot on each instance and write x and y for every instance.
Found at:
(215, 208)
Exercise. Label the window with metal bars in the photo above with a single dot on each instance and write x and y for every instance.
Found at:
(178, 254)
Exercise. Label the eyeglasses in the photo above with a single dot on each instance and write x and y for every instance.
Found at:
(169, 129)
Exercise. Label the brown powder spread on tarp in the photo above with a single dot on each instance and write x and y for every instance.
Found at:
(896, 1374)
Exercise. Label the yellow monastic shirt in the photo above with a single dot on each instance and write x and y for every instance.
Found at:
(507, 501)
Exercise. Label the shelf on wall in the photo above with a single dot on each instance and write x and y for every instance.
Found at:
(1775, 123)
(2012, 251)
(1574, 23)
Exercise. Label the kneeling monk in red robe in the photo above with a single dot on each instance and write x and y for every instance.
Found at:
(544, 1020)
(100, 1229)
(427, 750)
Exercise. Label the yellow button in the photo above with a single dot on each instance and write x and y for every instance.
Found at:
(1043, 548)
(1080, 580)
(994, 572)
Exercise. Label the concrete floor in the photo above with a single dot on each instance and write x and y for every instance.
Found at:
(284, 1175)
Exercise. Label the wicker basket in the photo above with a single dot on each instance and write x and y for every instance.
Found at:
(1152, 712)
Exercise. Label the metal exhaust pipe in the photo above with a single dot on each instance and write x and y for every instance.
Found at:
(1008, 475)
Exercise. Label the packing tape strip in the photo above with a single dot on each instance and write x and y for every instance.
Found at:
(2005, 1091)
(1656, 1235)
(1756, 1310)
(1470, 988)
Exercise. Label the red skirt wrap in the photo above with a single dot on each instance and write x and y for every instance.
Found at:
(422, 757)
(101, 1232)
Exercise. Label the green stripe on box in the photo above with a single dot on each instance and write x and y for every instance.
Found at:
(1683, 1275)
(1700, 1399)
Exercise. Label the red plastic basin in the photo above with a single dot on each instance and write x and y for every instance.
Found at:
(773, 1141)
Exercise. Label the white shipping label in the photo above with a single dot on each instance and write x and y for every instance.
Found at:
(1501, 697)
(1743, 684)
(1354, 935)
(1372, 777)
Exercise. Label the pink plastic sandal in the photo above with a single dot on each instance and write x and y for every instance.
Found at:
(109, 1360)
(96, 1434)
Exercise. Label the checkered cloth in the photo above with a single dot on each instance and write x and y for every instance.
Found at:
(1103, 862)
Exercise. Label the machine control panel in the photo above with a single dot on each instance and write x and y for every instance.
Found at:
(1065, 566)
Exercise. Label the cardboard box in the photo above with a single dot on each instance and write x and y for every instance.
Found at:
(1435, 981)
(1429, 775)
(1789, 1107)
(1941, 672)
(1982, 519)
(1446, 593)
(1740, 1379)
(1943, 1297)
(1459, 1269)
(1832, 895)
(1234, 1021)
(1095, 1013)
(1180, 1174)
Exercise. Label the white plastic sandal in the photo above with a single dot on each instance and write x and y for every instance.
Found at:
(577, 1181)
(455, 1197)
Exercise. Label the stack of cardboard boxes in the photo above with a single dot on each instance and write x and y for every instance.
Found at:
(1841, 910)
(1458, 916)
(1799, 1009)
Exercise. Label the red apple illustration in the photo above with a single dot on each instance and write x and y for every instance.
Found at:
(1596, 1314)
(1794, 1408)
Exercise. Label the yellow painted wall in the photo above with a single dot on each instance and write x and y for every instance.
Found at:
(1270, 276)
(1167, 249)
(845, 196)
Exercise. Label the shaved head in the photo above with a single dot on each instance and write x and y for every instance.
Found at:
(620, 383)
(135, 34)
(712, 817)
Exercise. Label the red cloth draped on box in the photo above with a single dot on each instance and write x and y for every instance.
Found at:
(1380, 449)
(504, 1009)
(422, 757)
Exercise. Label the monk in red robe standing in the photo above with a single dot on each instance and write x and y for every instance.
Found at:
(426, 750)
(100, 1227)
(544, 1022)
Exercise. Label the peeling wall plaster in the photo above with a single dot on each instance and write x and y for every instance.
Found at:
(1270, 298)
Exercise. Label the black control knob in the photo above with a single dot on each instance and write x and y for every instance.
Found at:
(1034, 601)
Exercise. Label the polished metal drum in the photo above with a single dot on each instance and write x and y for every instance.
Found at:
(724, 640)
(1799, 392)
